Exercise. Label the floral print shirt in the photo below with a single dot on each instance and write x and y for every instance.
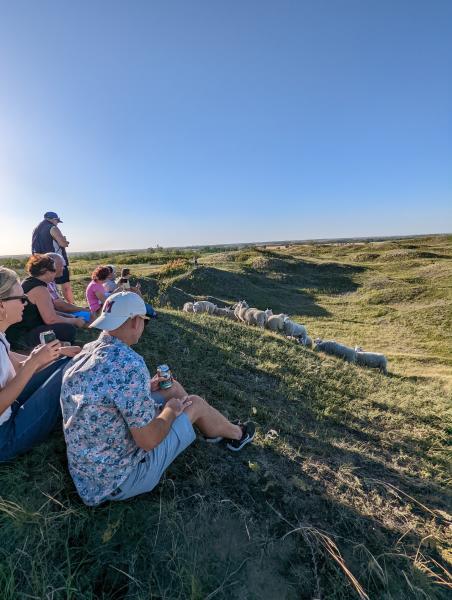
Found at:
(105, 391)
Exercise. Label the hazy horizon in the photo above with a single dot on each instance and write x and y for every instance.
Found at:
(351, 239)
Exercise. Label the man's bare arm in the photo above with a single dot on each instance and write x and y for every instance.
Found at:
(59, 237)
(65, 307)
(152, 434)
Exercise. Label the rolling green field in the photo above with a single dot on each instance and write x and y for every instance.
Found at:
(346, 492)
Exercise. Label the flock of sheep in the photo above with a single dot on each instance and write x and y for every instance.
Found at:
(283, 324)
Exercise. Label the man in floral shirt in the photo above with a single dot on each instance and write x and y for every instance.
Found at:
(119, 442)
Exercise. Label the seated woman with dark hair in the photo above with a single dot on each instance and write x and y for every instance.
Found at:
(29, 385)
(95, 292)
(123, 284)
(40, 314)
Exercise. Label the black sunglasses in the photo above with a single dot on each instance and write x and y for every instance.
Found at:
(23, 299)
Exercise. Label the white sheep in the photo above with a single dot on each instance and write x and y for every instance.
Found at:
(224, 312)
(276, 322)
(188, 307)
(307, 341)
(248, 316)
(236, 307)
(290, 328)
(240, 310)
(261, 318)
(254, 316)
(374, 360)
(204, 306)
(336, 349)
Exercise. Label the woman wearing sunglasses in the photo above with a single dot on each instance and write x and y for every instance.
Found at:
(40, 314)
(29, 385)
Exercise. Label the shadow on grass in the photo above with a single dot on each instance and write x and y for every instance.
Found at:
(226, 287)
(232, 375)
(215, 526)
(288, 285)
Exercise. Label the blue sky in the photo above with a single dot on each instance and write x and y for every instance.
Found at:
(201, 122)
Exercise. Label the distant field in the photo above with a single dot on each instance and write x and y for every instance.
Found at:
(346, 492)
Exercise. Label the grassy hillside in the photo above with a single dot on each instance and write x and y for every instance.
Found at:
(346, 492)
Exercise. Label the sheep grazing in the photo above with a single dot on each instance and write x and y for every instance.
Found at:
(204, 306)
(254, 316)
(248, 316)
(336, 349)
(304, 341)
(236, 307)
(276, 322)
(224, 312)
(188, 307)
(307, 341)
(261, 318)
(240, 310)
(292, 329)
(374, 360)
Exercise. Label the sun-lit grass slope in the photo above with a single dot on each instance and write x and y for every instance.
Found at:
(341, 452)
(345, 492)
(391, 297)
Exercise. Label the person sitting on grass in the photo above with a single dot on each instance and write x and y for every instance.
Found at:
(95, 292)
(119, 443)
(62, 306)
(40, 314)
(110, 283)
(29, 385)
(123, 284)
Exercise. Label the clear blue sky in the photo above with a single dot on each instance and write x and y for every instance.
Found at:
(195, 122)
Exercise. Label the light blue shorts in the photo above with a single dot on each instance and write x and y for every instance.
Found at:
(150, 469)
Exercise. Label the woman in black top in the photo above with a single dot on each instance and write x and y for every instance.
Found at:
(39, 314)
(30, 386)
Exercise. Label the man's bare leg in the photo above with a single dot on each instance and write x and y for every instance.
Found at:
(211, 422)
(208, 419)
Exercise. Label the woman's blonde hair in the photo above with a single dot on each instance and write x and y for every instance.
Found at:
(8, 278)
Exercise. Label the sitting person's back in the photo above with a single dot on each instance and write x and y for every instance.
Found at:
(99, 386)
(118, 443)
(110, 284)
(95, 291)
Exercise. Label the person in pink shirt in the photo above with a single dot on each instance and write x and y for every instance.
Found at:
(95, 292)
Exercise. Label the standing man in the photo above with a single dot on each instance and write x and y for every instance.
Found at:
(47, 237)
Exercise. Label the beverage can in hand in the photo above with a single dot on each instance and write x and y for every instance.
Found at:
(47, 336)
(164, 371)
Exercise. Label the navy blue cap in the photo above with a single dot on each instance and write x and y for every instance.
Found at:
(52, 215)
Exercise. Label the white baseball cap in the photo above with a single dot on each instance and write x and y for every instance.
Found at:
(118, 308)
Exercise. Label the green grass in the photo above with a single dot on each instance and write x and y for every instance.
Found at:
(350, 472)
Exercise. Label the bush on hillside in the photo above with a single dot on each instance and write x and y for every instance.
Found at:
(14, 263)
(173, 268)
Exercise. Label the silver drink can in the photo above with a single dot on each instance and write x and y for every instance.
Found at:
(164, 371)
(47, 336)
